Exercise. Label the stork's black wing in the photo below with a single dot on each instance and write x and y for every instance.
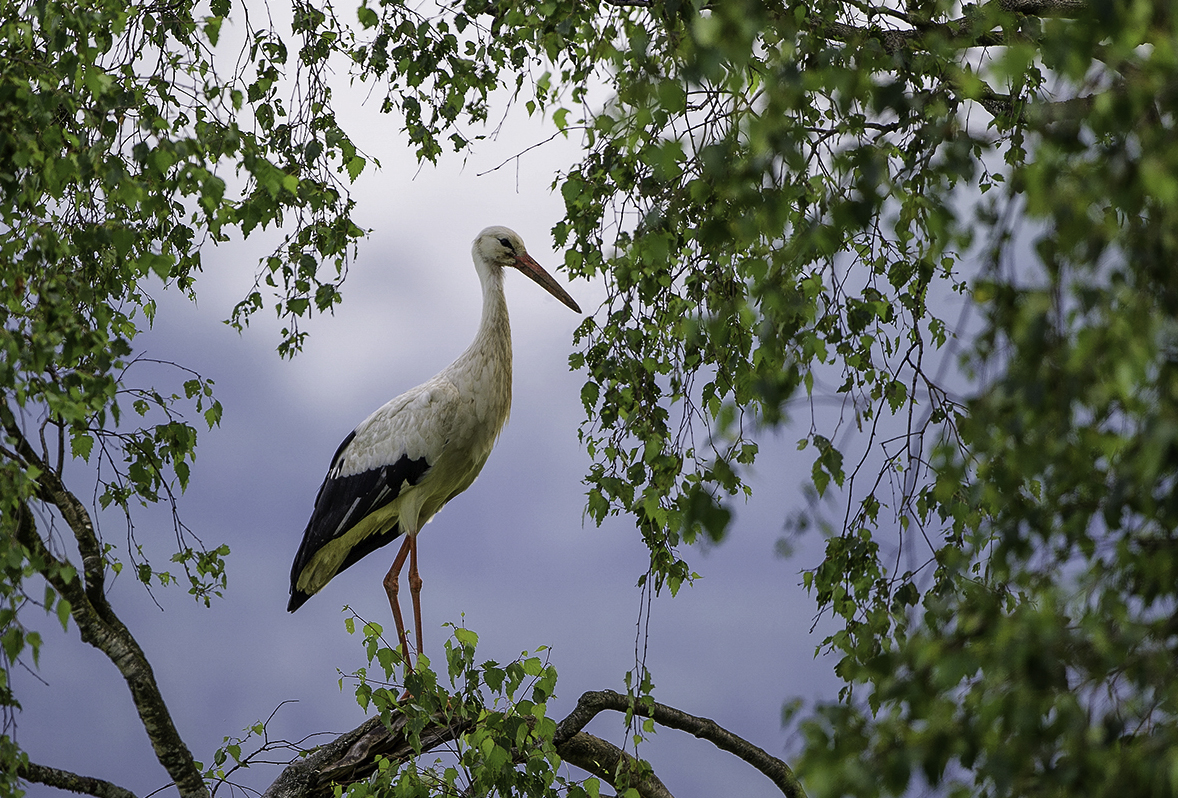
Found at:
(342, 502)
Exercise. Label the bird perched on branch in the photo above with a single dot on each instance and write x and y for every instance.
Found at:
(405, 461)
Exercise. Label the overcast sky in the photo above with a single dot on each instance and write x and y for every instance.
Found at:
(512, 557)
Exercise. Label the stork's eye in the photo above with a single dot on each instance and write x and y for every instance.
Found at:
(507, 244)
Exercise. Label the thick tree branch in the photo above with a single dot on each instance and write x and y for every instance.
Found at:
(591, 703)
(963, 31)
(352, 756)
(112, 638)
(64, 780)
(1045, 8)
(606, 761)
(1003, 106)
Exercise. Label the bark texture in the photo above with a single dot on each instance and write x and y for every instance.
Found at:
(64, 780)
(352, 756)
(97, 622)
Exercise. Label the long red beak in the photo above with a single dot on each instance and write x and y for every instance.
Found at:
(534, 270)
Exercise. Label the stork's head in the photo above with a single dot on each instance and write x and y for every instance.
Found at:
(498, 248)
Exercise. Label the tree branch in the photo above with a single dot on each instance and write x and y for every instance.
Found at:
(963, 31)
(64, 780)
(591, 703)
(606, 761)
(112, 638)
(52, 490)
(959, 31)
(352, 756)
(1045, 8)
(1003, 106)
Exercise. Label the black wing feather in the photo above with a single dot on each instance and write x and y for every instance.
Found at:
(343, 502)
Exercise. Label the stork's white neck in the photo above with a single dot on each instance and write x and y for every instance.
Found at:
(483, 371)
(494, 324)
(482, 374)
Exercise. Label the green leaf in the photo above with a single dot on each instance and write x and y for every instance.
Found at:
(356, 165)
(81, 444)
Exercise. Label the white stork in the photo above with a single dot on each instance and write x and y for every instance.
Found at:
(406, 460)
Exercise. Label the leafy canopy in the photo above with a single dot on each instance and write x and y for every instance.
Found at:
(781, 198)
(124, 150)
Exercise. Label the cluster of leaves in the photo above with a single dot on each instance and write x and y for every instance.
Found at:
(779, 197)
(440, 71)
(123, 151)
(733, 198)
(507, 747)
(1052, 627)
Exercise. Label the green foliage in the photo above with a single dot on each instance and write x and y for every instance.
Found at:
(233, 754)
(780, 198)
(506, 746)
(1038, 659)
(771, 235)
(439, 72)
(124, 149)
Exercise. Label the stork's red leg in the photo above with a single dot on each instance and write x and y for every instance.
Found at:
(415, 591)
(391, 587)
